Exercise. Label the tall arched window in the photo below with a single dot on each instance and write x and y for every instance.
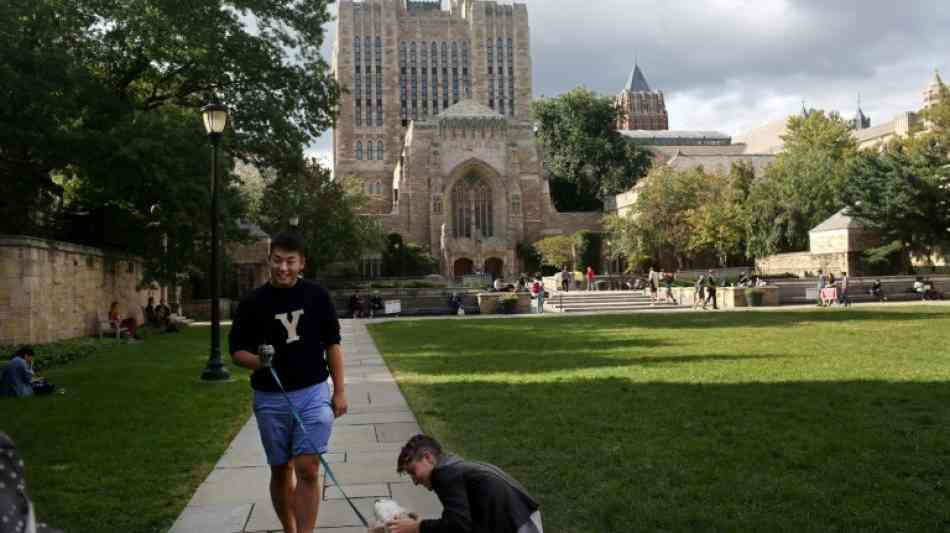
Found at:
(359, 150)
(379, 150)
(472, 208)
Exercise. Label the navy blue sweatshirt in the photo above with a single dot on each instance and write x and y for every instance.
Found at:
(300, 322)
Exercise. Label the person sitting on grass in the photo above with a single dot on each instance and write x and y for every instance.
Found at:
(17, 377)
(475, 496)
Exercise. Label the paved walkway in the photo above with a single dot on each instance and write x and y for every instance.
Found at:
(363, 448)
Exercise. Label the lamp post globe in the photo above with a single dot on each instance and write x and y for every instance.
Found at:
(215, 118)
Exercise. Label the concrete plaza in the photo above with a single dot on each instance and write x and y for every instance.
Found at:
(234, 498)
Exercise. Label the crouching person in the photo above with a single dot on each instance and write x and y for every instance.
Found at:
(475, 496)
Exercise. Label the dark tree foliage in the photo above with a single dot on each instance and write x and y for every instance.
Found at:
(903, 194)
(99, 110)
(581, 145)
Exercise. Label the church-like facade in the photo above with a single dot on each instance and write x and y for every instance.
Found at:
(435, 123)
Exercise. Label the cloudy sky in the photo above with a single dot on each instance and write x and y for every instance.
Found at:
(732, 65)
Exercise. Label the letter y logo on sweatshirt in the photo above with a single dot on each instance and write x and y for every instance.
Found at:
(290, 325)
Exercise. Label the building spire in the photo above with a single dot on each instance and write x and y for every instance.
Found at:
(637, 83)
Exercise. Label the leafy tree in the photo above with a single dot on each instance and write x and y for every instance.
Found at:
(718, 222)
(328, 214)
(803, 186)
(581, 145)
(104, 97)
(556, 250)
(903, 194)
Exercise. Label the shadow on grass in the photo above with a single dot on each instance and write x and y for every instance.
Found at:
(611, 455)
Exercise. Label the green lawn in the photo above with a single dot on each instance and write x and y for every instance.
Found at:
(134, 435)
(823, 420)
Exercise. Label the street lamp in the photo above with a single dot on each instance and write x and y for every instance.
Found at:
(215, 117)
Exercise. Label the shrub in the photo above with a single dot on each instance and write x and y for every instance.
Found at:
(60, 353)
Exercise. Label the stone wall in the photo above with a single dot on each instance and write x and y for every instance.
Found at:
(52, 290)
(803, 263)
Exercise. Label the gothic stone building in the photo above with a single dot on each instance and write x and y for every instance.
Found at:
(435, 124)
(643, 108)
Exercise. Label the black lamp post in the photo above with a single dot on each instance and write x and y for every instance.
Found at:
(215, 118)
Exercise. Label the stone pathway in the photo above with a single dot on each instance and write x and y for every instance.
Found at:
(363, 448)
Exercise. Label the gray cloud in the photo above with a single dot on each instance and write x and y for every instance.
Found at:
(732, 65)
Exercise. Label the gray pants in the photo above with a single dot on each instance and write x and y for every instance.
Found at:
(533, 526)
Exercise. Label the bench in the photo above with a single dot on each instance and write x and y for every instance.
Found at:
(106, 326)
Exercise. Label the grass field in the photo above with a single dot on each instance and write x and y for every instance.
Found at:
(132, 437)
(818, 420)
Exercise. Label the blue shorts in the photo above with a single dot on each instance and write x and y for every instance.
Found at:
(281, 435)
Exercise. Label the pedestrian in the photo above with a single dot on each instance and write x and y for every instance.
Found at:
(475, 496)
(565, 279)
(843, 294)
(711, 283)
(298, 319)
(822, 282)
(537, 290)
(668, 283)
(699, 291)
(653, 281)
(590, 278)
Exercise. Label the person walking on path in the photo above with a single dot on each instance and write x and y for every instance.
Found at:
(298, 319)
(843, 294)
(475, 496)
(668, 285)
(711, 283)
(822, 282)
(700, 290)
(590, 278)
(565, 279)
(653, 280)
(537, 290)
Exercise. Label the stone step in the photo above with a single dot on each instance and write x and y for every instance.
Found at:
(613, 306)
(625, 298)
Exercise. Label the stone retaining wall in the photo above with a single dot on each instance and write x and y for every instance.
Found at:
(51, 290)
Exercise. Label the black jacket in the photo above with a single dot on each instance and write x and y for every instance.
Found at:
(477, 498)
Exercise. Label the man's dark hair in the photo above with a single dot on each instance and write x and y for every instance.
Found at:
(415, 448)
(288, 242)
(24, 351)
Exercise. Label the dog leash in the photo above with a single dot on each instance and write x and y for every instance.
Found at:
(326, 466)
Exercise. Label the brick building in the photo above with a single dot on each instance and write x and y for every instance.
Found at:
(643, 108)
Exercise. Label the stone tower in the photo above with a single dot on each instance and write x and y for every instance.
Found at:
(932, 92)
(405, 60)
(435, 123)
(643, 108)
(860, 120)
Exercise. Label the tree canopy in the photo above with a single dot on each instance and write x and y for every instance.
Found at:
(903, 195)
(681, 216)
(328, 212)
(803, 186)
(100, 111)
(582, 147)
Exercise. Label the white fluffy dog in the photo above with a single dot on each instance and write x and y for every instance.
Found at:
(386, 510)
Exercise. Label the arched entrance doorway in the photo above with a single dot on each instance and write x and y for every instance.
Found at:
(463, 266)
(494, 266)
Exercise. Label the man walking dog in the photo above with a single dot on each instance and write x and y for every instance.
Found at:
(475, 496)
(298, 319)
